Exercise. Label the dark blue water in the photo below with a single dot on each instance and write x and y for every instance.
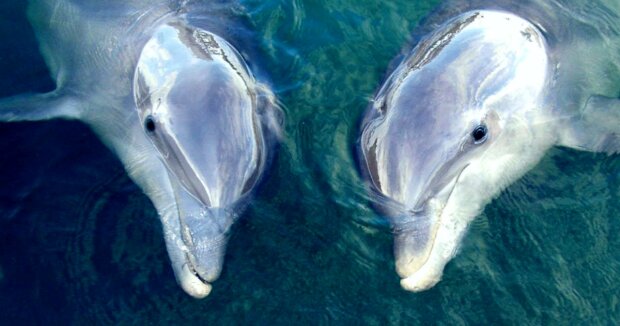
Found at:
(80, 243)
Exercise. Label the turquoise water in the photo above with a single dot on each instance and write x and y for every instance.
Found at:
(80, 243)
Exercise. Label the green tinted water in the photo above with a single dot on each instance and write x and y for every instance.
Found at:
(79, 242)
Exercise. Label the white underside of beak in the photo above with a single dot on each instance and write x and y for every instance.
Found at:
(192, 284)
(424, 279)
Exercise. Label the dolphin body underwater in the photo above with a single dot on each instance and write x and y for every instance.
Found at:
(175, 102)
(488, 89)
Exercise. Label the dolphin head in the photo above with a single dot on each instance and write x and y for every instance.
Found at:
(197, 103)
(449, 129)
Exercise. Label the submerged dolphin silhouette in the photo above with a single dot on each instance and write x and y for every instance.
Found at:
(175, 102)
(475, 105)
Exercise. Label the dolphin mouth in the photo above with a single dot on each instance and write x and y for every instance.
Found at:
(418, 262)
(192, 269)
(203, 257)
(205, 252)
(202, 239)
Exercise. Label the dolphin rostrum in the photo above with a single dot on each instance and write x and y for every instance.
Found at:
(475, 105)
(173, 100)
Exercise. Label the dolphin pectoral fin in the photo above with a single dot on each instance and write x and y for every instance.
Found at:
(33, 107)
(597, 129)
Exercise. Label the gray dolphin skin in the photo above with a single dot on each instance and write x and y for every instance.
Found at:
(488, 89)
(173, 100)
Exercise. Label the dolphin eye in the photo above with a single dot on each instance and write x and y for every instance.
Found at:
(479, 134)
(149, 124)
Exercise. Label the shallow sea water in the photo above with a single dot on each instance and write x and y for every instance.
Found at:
(80, 243)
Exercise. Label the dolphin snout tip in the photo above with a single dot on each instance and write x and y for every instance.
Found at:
(192, 284)
(418, 273)
(197, 275)
(419, 282)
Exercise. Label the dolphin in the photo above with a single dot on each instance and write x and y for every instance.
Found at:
(487, 90)
(176, 102)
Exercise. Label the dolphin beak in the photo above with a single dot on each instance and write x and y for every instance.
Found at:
(206, 237)
(203, 237)
(413, 261)
(414, 243)
(426, 239)
(192, 284)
